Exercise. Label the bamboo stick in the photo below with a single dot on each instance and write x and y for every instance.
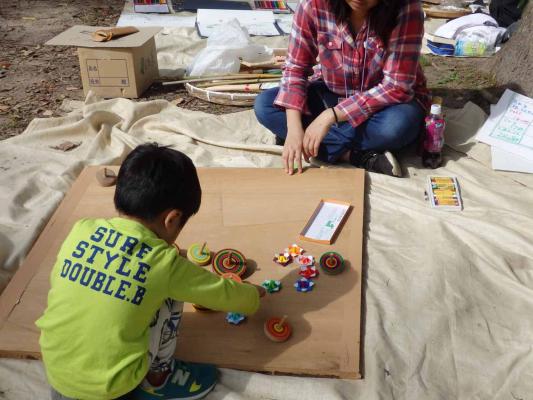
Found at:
(236, 82)
(253, 87)
(247, 87)
(220, 77)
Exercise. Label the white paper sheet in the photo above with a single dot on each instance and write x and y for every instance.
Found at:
(504, 161)
(258, 23)
(509, 126)
(292, 5)
(148, 20)
(284, 22)
(326, 221)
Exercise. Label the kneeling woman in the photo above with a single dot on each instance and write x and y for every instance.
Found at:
(367, 96)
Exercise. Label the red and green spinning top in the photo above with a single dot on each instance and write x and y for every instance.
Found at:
(331, 263)
(229, 260)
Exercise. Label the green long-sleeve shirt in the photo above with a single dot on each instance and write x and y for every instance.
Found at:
(110, 278)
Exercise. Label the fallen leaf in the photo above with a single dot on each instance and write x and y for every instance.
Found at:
(177, 101)
(48, 113)
(71, 88)
(66, 146)
(3, 107)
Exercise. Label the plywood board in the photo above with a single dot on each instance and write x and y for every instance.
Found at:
(259, 212)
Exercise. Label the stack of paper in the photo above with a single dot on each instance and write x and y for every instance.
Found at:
(509, 130)
(259, 23)
(162, 20)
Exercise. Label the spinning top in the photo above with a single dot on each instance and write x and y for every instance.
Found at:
(277, 329)
(232, 276)
(271, 285)
(235, 318)
(199, 254)
(304, 285)
(229, 260)
(305, 260)
(331, 263)
(308, 272)
(282, 259)
(295, 250)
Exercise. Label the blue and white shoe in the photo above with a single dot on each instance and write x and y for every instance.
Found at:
(186, 381)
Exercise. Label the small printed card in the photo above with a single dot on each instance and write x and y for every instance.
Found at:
(443, 193)
(326, 222)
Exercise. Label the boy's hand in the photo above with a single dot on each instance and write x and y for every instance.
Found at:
(262, 291)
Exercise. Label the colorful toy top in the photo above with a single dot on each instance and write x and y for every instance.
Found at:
(232, 276)
(331, 263)
(235, 318)
(304, 285)
(271, 285)
(277, 329)
(295, 250)
(282, 259)
(308, 272)
(229, 260)
(305, 260)
(199, 254)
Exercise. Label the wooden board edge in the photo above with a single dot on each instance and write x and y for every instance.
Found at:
(36, 356)
(20, 355)
(294, 372)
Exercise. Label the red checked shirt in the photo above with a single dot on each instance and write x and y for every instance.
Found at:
(388, 74)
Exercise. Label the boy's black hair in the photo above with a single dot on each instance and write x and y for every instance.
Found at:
(153, 179)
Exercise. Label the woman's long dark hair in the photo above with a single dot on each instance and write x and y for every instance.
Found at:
(383, 17)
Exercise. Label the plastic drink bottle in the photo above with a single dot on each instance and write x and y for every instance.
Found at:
(434, 139)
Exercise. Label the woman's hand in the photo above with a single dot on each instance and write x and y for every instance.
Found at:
(292, 150)
(316, 132)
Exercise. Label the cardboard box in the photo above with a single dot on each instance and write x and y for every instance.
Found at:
(122, 67)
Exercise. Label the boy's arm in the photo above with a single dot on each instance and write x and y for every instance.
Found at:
(193, 284)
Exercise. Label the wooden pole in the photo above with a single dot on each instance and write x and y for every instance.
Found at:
(220, 77)
(239, 82)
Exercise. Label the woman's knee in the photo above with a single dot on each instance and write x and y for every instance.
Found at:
(264, 105)
(398, 125)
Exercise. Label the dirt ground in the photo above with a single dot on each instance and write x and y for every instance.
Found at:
(39, 78)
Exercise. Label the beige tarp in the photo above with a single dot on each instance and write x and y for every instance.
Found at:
(448, 296)
(448, 304)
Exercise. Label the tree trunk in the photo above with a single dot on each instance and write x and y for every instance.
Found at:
(512, 66)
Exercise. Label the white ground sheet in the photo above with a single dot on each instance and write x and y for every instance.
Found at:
(449, 295)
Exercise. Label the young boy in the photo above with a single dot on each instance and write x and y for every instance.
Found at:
(118, 287)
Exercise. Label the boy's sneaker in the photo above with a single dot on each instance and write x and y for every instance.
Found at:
(186, 381)
(382, 163)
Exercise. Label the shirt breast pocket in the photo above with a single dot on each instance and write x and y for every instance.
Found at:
(330, 51)
(375, 53)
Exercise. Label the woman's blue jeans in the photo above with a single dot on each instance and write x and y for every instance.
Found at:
(390, 129)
